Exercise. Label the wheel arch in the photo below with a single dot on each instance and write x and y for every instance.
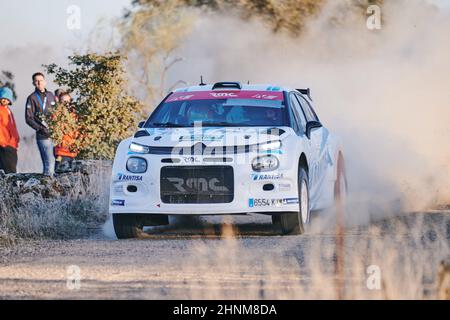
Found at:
(303, 162)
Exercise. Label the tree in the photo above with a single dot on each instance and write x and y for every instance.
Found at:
(151, 32)
(106, 113)
(282, 16)
(7, 80)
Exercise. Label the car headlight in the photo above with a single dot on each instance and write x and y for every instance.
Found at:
(139, 148)
(265, 163)
(271, 145)
(137, 165)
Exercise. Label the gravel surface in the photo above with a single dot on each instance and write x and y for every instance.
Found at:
(241, 258)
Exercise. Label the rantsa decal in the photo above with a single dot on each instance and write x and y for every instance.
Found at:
(271, 176)
(125, 177)
(118, 203)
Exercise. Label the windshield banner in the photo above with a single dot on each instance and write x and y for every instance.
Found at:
(208, 95)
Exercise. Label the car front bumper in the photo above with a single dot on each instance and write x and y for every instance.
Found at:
(141, 194)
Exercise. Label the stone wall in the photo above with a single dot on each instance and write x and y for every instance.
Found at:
(34, 205)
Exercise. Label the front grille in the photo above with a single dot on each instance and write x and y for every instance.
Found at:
(201, 149)
(197, 184)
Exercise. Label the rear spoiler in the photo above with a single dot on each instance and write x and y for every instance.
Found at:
(306, 92)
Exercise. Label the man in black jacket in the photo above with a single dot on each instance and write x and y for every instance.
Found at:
(38, 103)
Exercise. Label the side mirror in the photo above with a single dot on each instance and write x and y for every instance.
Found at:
(141, 124)
(312, 125)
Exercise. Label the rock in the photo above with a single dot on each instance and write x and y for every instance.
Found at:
(19, 188)
(30, 184)
(27, 197)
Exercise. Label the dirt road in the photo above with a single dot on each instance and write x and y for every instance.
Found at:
(211, 259)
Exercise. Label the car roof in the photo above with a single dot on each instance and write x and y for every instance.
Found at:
(244, 87)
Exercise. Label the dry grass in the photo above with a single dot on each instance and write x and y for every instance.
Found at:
(406, 250)
(64, 207)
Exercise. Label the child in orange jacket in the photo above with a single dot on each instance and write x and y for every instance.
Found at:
(9, 137)
(64, 152)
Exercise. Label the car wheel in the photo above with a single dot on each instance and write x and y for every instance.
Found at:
(295, 222)
(127, 226)
(276, 220)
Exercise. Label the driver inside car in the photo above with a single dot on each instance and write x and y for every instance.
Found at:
(202, 113)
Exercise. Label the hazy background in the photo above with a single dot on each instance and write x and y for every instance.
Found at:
(36, 33)
(385, 92)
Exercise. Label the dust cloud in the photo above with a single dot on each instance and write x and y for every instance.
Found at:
(385, 92)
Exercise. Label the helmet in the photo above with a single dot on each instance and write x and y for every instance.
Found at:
(6, 93)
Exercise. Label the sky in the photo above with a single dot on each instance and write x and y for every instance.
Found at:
(29, 21)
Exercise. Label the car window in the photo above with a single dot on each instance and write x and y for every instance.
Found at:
(293, 120)
(220, 112)
(306, 106)
(298, 113)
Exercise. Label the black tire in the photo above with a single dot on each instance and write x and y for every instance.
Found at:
(292, 222)
(127, 226)
(276, 220)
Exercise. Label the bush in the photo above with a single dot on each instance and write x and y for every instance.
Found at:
(106, 113)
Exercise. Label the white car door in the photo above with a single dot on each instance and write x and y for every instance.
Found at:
(318, 137)
(312, 152)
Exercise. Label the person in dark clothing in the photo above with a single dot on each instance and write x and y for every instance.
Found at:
(38, 103)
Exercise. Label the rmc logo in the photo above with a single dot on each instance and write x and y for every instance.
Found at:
(223, 95)
(198, 184)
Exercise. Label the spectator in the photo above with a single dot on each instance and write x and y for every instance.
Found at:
(9, 137)
(65, 153)
(38, 103)
(58, 93)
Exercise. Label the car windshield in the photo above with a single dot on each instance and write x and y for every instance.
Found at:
(220, 113)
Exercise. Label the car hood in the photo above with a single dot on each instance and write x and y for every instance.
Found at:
(185, 137)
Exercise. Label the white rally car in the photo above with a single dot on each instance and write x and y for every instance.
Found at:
(227, 149)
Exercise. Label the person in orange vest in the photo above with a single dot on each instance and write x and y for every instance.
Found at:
(65, 153)
(9, 137)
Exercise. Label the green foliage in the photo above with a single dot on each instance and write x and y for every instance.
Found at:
(106, 113)
(63, 125)
(7, 80)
